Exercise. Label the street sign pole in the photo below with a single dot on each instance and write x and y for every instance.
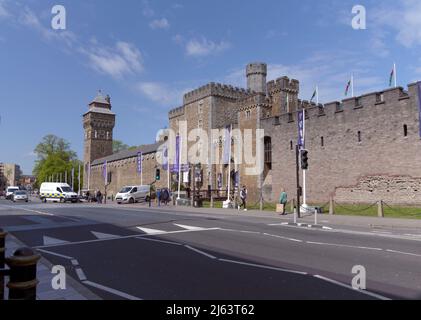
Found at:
(297, 156)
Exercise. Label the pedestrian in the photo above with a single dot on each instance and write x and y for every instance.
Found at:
(99, 197)
(283, 200)
(243, 196)
(158, 197)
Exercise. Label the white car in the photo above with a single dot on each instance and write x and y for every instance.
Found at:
(20, 195)
(10, 191)
(57, 192)
(133, 194)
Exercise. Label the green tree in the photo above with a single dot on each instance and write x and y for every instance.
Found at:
(54, 157)
(119, 146)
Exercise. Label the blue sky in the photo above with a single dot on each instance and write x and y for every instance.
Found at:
(146, 54)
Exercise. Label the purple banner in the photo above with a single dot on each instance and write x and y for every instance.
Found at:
(139, 162)
(419, 103)
(227, 146)
(176, 166)
(165, 159)
(301, 129)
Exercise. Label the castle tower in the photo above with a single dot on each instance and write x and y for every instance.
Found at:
(98, 124)
(256, 77)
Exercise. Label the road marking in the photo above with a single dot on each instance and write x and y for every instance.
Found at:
(240, 231)
(111, 290)
(29, 210)
(406, 253)
(200, 252)
(53, 241)
(55, 254)
(263, 266)
(80, 274)
(280, 237)
(121, 238)
(371, 294)
(190, 227)
(342, 245)
(161, 241)
(151, 231)
(100, 235)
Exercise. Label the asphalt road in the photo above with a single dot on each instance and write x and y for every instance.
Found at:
(138, 253)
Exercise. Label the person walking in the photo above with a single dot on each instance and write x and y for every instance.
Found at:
(283, 200)
(243, 197)
(99, 197)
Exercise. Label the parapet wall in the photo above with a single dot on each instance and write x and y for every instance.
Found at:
(283, 83)
(216, 89)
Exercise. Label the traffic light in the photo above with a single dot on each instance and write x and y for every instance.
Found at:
(304, 159)
(158, 175)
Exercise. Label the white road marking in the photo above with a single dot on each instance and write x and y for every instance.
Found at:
(55, 254)
(100, 235)
(405, 253)
(280, 237)
(151, 231)
(191, 228)
(374, 295)
(342, 245)
(201, 252)
(262, 266)
(111, 290)
(161, 241)
(81, 275)
(29, 210)
(53, 241)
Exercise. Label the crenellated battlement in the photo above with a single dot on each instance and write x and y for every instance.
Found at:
(283, 84)
(216, 89)
(177, 112)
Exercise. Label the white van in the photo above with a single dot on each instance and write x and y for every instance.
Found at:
(57, 192)
(133, 194)
(10, 191)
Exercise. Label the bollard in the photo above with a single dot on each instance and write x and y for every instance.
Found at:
(23, 274)
(292, 205)
(380, 210)
(2, 260)
(331, 207)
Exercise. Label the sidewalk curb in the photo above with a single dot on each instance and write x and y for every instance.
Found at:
(71, 283)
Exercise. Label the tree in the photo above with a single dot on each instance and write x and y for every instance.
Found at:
(119, 146)
(54, 158)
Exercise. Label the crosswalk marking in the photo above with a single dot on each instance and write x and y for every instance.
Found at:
(53, 241)
(101, 235)
(191, 228)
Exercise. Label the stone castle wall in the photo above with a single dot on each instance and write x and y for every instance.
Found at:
(360, 137)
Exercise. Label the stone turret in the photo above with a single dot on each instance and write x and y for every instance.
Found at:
(256, 77)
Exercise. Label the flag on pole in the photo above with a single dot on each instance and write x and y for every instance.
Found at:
(139, 162)
(348, 86)
(392, 75)
(175, 166)
(314, 95)
(104, 171)
(227, 146)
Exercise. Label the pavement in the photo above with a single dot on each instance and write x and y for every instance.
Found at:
(135, 252)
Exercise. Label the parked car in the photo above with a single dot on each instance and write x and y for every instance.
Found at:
(20, 196)
(133, 194)
(10, 191)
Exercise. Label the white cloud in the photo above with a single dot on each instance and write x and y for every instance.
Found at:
(160, 24)
(205, 47)
(122, 59)
(4, 13)
(160, 93)
(330, 71)
(147, 11)
(403, 18)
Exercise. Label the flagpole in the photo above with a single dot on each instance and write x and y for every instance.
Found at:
(396, 75)
(304, 171)
(78, 191)
(141, 170)
(180, 147)
(168, 170)
(229, 166)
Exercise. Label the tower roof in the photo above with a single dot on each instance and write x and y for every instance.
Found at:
(100, 99)
(100, 104)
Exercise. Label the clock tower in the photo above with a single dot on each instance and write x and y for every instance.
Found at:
(98, 124)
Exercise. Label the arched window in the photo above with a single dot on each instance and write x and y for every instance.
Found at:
(359, 136)
(405, 130)
(268, 152)
(322, 141)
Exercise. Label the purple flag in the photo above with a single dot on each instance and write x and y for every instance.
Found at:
(227, 147)
(165, 159)
(176, 165)
(104, 171)
(301, 129)
(139, 162)
(419, 103)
